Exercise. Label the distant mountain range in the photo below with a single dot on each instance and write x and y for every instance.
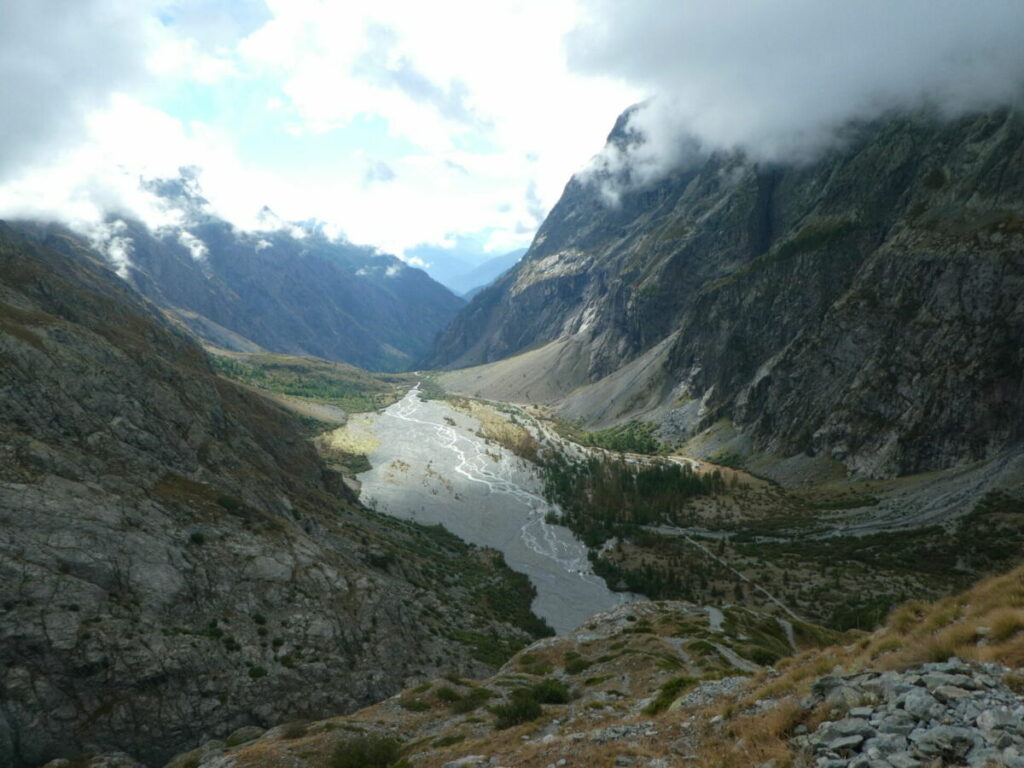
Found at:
(293, 290)
(466, 280)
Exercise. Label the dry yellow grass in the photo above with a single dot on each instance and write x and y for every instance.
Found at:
(985, 623)
(1004, 623)
(354, 437)
(754, 739)
(497, 426)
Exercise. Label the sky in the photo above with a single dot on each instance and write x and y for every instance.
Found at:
(449, 126)
(452, 124)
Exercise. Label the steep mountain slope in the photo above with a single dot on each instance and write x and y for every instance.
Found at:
(289, 291)
(674, 684)
(866, 306)
(175, 559)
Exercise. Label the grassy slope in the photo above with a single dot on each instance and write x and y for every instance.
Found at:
(309, 378)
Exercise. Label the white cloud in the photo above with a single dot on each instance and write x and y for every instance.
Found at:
(59, 61)
(183, 58)
(778, 79)
(197, 248)
(110, 240)
(441, 75)
(97, 95)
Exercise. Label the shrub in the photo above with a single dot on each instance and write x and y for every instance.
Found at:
(520, 708)
(668, 693)
(550, 692)
(230, 503)
(414, 705)
(533, 665)
(367, 752)
(474, 699)
(574, 663)
(447, 741)
(447, 694)
(294, 730)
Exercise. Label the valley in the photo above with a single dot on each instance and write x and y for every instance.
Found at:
(529, 384)
(729, 472)
(840, 552)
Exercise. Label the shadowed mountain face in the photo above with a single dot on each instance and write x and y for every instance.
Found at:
(303, 295)
(175, 559)
(867, 306)
(306, 296)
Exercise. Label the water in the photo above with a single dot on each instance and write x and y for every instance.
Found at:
(430, 466)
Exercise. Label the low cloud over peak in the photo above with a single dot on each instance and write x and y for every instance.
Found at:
(778, 80)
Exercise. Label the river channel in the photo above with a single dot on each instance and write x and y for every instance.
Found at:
(431, 466)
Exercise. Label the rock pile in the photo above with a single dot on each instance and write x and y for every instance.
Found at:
(941, 714)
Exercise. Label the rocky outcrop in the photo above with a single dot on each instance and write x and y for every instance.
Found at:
(865, 306)
(175, 560)
(948, 713)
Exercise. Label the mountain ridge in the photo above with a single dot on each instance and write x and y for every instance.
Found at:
(782, 287)
(305, 295)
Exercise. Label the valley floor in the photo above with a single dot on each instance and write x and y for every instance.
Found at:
(431, 464)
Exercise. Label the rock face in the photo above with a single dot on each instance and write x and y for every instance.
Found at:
(867, 305)
(175, 560)
(303, 296)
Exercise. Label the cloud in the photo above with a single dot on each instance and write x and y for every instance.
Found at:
(59, 61)
(197, 248)
(462, 98)
(779, 80)
(384, 66)
(109, 239)
(339, 112)
(378, 171)
(534, 207)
